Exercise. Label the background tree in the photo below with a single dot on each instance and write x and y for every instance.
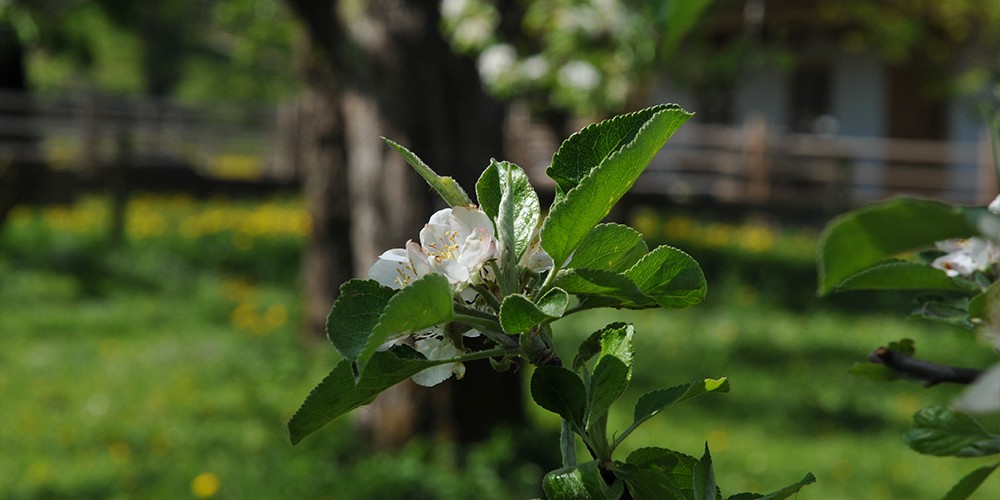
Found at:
(375, 69)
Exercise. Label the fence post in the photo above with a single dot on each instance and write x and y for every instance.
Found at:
(987, 168)
(758, 188)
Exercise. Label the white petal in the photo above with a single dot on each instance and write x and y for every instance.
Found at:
(441, 217)
(477, 248)
(467, 220)
(535, 259)
(393, 269)
(418, 259)
(994, 205)
(983, 396)
(435, 348)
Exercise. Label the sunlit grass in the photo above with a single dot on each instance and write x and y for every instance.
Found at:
(167, 367)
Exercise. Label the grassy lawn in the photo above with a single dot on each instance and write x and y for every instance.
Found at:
(167, 368)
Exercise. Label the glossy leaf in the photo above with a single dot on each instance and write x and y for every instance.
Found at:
(338, 393)
(703, 478)
(940, 431)
(422, 304)
(575, 483)
(596, 167)
(524, 207)
(658, 473)
(612, 372)
(899, 275)
(518, 314)
(560, 391)
(670, 277)
(866, 237)
(653, 402)
(613, 287)
(609, 247)
(355, 314)
(592, 345)
(446, 187)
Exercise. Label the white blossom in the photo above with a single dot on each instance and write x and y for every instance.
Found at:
(456, 242)
(994, 206)
(535, 67)
(966, 256)
(451, 9)
(536, 259)
(579, 75)
(434, 346)
(983, 396)
(473, 32)
(496, 61)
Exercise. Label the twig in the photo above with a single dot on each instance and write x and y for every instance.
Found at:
(928, 372)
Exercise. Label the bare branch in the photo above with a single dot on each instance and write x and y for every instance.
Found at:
(927, 372)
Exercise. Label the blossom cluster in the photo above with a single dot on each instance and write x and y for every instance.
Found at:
(966, 256)
(457, 243)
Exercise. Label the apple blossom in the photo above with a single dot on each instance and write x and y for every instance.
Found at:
(966, 256)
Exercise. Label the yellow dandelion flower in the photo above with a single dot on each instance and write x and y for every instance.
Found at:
(205, 485)
(276, 315)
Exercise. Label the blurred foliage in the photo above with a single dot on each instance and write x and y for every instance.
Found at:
(586, 58)
(917, 31)
(194, 50)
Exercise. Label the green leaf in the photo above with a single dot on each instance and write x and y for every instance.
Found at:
(424, 303)
(518, 314)
(612, 372)
(670, 277)
(658, 473)
(338, 393)
(596, 167)
(355, 314)
(965, 487)
(897, 274)
(613, 285)
(940, 431)
(863, 238)
(651, 403)
(978, 304)
(609, 247)
(560, 391)
(525, 211)
(950, 310)
(790, 490)
(572, 483)
(646, 484)
(446, 187)
(703, 478)
(592, 345)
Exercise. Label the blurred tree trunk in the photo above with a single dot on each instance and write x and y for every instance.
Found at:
(19, 177)
(387, 71)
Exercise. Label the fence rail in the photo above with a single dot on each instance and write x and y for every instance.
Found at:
(753, 165)
(750, 164)
(87, 131)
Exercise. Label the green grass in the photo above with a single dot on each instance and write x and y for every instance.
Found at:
(156, 369)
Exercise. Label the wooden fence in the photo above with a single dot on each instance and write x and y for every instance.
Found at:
(746, 165)
(754, 165)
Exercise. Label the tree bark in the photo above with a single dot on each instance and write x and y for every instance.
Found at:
(395, 76)
(19, 177)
